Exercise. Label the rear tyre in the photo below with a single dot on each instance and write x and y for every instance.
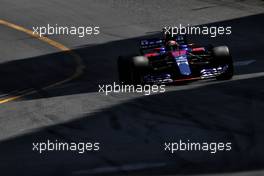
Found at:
(123, 70)
(223, 58)
(132, 69)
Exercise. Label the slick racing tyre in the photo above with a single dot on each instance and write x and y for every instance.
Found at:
(123, 70)
(131, 69)
(223, 58)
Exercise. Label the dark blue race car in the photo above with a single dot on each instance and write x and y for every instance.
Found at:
(173, 60)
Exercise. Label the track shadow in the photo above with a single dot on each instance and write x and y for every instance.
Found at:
(245, 43)
(132, 135)
(35, 73)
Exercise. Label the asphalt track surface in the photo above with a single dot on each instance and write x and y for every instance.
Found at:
(131, 128)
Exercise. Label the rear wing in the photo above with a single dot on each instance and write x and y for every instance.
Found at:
(156, 43)
(181, 39)
(151, 43)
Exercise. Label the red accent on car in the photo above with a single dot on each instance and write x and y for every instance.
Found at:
(179, 53)
(157, 49)
(151, 54)
(187, 79)
(198, 49)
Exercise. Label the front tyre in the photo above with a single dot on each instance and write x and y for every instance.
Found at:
(223, 58)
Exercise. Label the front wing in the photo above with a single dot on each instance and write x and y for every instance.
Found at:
(168, 78)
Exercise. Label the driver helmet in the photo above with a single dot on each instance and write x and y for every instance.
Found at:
(172, 45)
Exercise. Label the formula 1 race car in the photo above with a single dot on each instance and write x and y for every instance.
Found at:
(164, 61)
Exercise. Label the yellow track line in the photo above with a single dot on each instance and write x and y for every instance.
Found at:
(78, 60)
